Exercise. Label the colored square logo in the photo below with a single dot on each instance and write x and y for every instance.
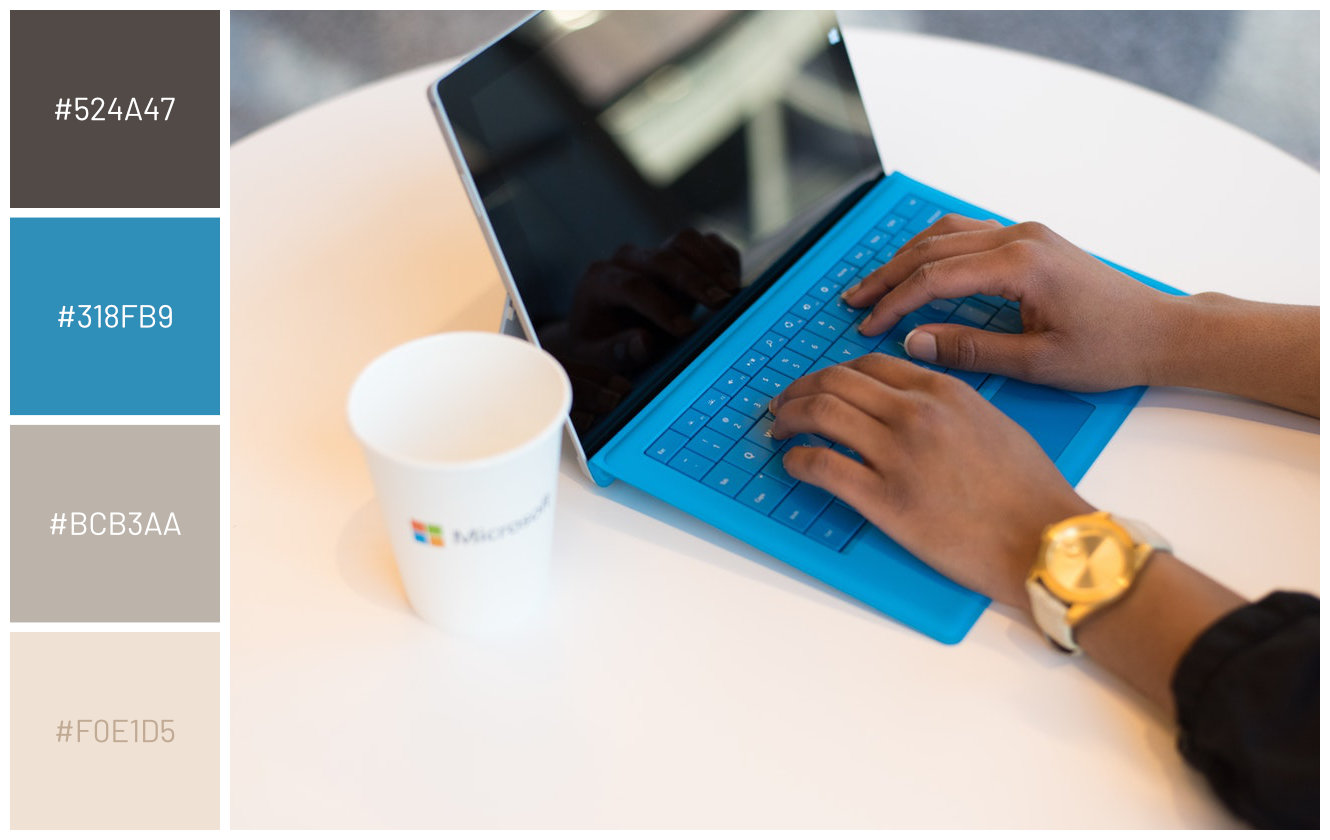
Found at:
(425, 533)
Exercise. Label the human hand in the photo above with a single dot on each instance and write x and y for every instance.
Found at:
(943, 472)
(1086, 326)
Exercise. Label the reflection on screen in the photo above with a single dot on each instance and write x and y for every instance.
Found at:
(642, 170)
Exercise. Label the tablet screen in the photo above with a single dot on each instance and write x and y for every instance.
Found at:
(645, 173)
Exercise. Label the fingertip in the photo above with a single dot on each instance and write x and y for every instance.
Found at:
(921, 344)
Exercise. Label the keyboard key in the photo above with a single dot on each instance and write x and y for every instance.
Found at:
(770, 343)
(860, 256)
(666, 445)
(730, 422)
(760, 434)
(889, 347)
(822, 364)
(892, 225)
(747, 455)
(908, 206)
(876, 240)
(763, 493)
(751, 402)
(936, 311)
(1006, 320)
(776, 468)
(972, 313)
(844, 351)
(789, 325)
(835, 526)
(929, 216)
(691, 464)
(851, 333)
(970, 377)
(751, 363)
(842, 273)
(807, 306)
(710, 402)
(805, 439)
(809, 343)
(711, 444)
(726, 478)
(838, 308)
(791, 364)
(825, 290)
(827, 327)
(801, 506)
(688, 424)
(731, 382)
(770, 382)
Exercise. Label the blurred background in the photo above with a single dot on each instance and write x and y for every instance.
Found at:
(1257, 70)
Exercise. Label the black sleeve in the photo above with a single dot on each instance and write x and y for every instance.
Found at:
(1248, 698)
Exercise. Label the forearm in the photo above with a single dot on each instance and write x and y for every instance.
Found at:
(1263, 351)
(1142, 637)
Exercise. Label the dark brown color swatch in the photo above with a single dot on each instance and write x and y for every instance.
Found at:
(126, 158)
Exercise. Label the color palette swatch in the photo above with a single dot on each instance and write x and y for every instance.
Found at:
(114, 730)
(115, 109)
(134, 537)
(115, 294)
(115, 316)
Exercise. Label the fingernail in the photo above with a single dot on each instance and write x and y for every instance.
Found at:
(921, 345)
(771, 406)
(860, 326)
(846, 294)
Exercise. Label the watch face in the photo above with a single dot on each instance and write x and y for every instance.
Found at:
(1089, 562)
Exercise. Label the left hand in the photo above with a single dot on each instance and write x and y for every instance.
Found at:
(944, 473)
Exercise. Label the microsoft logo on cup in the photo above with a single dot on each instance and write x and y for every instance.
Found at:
(433, 534)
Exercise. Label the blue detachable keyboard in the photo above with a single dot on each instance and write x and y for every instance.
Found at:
(724, 440)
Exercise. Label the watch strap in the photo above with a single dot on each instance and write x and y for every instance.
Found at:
(1143, 534)
(1050, 614)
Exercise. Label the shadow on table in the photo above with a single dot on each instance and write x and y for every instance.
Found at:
(1238, 408)
(365, 560)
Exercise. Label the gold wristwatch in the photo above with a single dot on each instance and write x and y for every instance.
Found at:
(1085, 563)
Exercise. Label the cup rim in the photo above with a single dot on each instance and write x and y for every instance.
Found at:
(462, 463)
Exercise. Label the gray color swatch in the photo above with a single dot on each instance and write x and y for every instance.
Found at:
(114, 523)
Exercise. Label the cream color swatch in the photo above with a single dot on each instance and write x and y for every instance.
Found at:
(114, 730)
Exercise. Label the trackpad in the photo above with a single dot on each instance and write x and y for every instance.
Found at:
(1051, 417)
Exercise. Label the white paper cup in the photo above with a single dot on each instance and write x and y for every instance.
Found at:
(462, 434)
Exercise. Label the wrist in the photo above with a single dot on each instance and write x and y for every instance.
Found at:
(1023, 548)
(1169, 340)
(1184, 332)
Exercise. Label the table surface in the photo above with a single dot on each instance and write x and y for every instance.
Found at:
(680, 677)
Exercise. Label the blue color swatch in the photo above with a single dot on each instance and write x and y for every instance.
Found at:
(115, 316)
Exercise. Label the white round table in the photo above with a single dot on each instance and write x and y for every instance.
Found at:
(681, 678)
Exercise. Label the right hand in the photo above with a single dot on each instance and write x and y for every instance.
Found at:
(1086, 326)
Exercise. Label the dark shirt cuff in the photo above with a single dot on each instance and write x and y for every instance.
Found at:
(1248, 700)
